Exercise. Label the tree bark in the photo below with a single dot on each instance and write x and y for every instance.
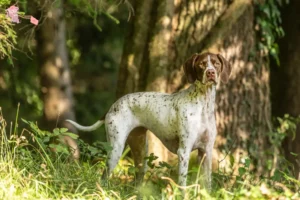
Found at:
(285, 79)
(55, 73)
(172, 32)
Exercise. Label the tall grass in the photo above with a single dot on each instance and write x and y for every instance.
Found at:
(30, 169)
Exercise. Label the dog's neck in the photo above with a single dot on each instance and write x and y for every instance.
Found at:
(204, 93)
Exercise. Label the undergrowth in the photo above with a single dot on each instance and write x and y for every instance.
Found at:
(35, 164)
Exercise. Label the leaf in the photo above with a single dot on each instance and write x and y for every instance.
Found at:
(34, 128)
(107, 147)
(294, 154)
(63, 130)
(93, 150)
(59, 148)
(25, 121)
(247, 162)
(276, 176)
(242, 171)
(164, 164)
(266, 10)
(71, 135)
(150, 159)
(231, 159)
(132, 169)
(56, 132)
(46, 139)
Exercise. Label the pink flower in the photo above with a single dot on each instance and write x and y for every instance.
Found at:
(34, 21)
(12, 13)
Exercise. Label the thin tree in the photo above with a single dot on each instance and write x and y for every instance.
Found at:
(55, 78)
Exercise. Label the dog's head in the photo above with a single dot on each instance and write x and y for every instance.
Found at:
(208, 68)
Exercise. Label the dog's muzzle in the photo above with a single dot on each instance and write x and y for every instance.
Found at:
(210, 75)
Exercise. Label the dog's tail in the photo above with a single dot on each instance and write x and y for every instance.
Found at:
(86, 128)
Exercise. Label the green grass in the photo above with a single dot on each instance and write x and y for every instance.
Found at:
(30, 170)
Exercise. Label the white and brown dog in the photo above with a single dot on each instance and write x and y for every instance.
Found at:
(183, 121)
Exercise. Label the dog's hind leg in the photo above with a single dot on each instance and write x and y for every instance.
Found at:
(117, 134)
(137, 141)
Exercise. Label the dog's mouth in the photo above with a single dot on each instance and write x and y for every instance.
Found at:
(211, 80)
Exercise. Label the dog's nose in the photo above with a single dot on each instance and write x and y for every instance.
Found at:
(210, 73)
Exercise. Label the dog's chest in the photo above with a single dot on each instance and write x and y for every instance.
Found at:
(203, 120)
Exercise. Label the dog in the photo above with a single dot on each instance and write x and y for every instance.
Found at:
(183, 121)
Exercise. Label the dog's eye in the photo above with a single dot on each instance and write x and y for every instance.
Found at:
(217, 66)
(203, 64)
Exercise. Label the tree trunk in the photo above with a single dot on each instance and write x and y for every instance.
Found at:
(171, 31)
(55, 73)
(286, 82)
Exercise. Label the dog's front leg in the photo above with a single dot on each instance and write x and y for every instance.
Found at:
(183, 160)
(207, 167)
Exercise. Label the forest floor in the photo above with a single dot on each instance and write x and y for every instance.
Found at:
(30, 170)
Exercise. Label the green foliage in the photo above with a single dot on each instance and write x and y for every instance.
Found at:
(43, 138)
(4, 3)
(286, 126)
(150, 160)
(246, 184)
(29, 170)
(268, 20)
(95, 151)
(50, 142)
(157, 171)
(8, 37)
(94, 55)
(96, 8)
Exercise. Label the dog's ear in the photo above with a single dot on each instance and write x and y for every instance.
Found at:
(226, 69)
(189, 68)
